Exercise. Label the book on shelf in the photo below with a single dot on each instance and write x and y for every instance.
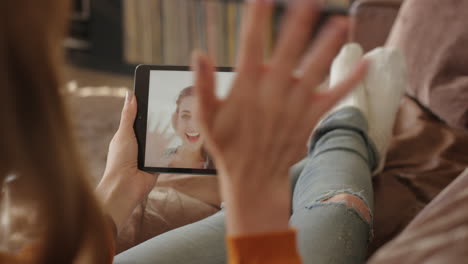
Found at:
(130, 32)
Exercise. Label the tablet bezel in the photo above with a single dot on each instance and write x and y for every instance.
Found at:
(141, 90)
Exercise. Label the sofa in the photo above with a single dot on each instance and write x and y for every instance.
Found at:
(430, 144)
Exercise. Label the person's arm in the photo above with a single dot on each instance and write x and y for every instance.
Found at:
(123, 185)
(260, 130)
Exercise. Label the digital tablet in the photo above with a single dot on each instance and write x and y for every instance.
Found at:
(169, 140)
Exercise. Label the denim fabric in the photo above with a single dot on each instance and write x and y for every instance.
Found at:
(340, 160)
(197, 243)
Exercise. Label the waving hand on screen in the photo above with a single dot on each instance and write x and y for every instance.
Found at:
(158, 141)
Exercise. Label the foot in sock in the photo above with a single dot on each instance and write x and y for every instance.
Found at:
(385, 85)
(379, 94)
(348, 58)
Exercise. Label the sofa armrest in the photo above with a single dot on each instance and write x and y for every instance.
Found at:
(373, 21)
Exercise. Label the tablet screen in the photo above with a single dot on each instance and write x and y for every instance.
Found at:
(173, 137)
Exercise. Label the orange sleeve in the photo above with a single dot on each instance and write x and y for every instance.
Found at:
(271, 248)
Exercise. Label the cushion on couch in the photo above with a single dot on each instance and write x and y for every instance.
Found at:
(373, 20)
(424, 157)
(433, 34)
(437, 234)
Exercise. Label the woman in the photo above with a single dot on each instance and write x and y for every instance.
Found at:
(191, 153)
(72, 226)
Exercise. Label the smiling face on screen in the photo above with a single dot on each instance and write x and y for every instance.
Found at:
(185, 125)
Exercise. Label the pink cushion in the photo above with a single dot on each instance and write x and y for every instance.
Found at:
(434, 37)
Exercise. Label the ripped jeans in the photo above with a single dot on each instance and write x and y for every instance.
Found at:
(340, 161)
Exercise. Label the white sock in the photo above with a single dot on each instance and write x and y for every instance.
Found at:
(385, 85)
(343, 65)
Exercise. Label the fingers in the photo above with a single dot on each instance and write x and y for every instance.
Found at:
(295, 33)
(157, 128)
(165, 129)
(129, 111)
(207, 101)
(323, 52)
(252, 39)
(305, 114)
(335, 94)
(170, 138)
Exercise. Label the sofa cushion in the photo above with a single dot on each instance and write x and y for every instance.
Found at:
(433, 34)
(443, 222)
(425, 155)
(373, 21)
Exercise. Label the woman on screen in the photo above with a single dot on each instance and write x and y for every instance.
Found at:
(190, 153)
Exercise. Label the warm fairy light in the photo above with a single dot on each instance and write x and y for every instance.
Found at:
(72, 88)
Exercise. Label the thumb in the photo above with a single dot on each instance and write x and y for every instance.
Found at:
(205, 89)
(129, 111)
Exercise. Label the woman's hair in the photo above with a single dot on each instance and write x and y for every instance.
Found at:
(190, 91)
(36, 140)
(187, 91)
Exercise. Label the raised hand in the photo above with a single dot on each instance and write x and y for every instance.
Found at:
(262, 126)
(157, 147)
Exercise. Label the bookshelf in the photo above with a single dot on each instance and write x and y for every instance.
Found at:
(117, 35)
(167, 31)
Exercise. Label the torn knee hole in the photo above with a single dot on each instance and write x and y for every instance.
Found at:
(352, 201)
